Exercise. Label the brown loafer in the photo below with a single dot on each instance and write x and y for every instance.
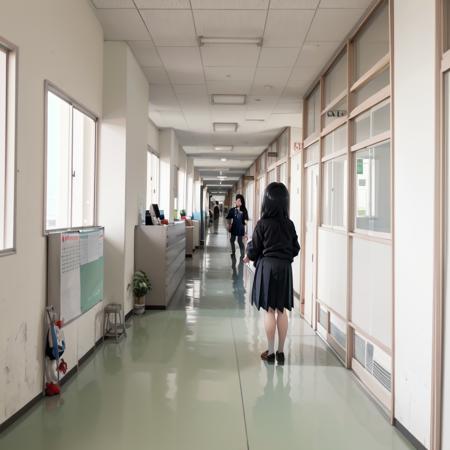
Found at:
(269, 358)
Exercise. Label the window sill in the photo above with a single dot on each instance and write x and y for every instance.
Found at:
(8, 252)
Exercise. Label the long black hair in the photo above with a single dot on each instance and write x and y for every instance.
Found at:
(275, 202)
(243, 207)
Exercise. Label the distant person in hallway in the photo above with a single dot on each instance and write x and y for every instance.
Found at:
(273, 247)
(237, 225)
(216, 215)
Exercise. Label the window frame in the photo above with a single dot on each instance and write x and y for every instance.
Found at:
(11, 109)
(363, 231)
(50, 87)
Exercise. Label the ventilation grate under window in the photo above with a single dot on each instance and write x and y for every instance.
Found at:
(339, 335)
(382, 375)
(359, 349)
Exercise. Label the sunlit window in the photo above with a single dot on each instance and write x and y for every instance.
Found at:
(71, 165)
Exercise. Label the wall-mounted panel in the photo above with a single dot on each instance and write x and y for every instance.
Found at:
(372, 289)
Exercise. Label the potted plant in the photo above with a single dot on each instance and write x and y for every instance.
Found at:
(141, 287)
(183, 214)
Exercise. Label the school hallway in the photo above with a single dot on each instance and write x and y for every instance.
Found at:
(191, 378)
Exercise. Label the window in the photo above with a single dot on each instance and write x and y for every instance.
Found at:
(373, 122)
(336, 80)
(283, 144)
(152, 179)
(336, 141)
(312, 154)
(313, 113)
(7, 148)
(181, 189)
(375, 85)
(283, 175)
(71, 164)
(334, 191)
(372, 43)
(272, 176)
(373, 189)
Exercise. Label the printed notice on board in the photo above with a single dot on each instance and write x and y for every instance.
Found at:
(91, 246)
(70, 276)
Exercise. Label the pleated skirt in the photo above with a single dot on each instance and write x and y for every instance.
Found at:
(272, 284)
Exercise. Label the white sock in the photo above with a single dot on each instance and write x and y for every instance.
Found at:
(271, 347)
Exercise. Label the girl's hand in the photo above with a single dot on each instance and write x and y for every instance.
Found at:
(246, 259)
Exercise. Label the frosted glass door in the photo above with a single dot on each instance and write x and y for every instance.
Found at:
(446, 349)
(312, 175)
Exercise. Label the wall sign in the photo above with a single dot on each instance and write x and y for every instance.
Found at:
(336, 113)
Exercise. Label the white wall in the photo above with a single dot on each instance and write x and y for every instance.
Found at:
(52, 48)
(153, 136)
(122, 166)
(414, 119)
(172, 156)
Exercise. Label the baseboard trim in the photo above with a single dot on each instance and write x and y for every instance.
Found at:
(155, 307)
(128, 315)
(409, 437)
(22, 411)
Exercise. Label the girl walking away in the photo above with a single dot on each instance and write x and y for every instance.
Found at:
(237, 224)
(273, 247)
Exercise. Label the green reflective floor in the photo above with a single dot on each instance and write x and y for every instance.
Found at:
(191, 378)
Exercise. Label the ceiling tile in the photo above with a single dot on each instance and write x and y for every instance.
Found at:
(358, 4)
(162, 4)
(156, 75)
(183, 64)
(288, 108)
(294, 4)
(190, 89)
(145, 53)
(162, 98)
(230, 55)
(287, 28)
(260, 102)
(229, 73)
(285, 120)
(277, 57)
(178, 57)
(333, 24)
(230, 23)
(271, 76)
(316, 54)
(113, 4)
(229, 4)
(175, 119)
(229, 87)
(122, 25)
(171, 27)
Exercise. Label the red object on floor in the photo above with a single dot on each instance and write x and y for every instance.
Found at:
(52, 389)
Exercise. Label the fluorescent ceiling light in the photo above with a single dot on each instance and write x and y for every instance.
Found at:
(209, 40)
(221, 178)
(223, 148)
(223, 159)
(228, 99)
(225, 127)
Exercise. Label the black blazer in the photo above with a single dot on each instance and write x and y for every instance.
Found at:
(275, 238)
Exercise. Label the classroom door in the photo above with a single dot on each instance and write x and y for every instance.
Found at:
(295, 191)
(446, 319)
(311, 191)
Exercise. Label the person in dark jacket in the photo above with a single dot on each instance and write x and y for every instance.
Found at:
(237, 225)
(273, 247)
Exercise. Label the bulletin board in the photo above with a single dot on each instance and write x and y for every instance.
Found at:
(75, 271)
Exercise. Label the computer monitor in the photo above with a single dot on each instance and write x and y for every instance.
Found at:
(156, 210)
